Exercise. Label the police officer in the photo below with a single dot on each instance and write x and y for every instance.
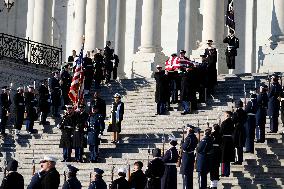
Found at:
(97, 180)
(169, 179)
(72, 182)
(44, 102)
(13, 180)
(188, 157)
(88, 68)
(155, 170)
(137, 179)
(121, 182)
(5, 108)
(66, 80)
(95, 130)
(227, 146)
(31, 103)
(274, 104)
(204, 153)
(211, 56)
(55, 94)
(250, 124)
(66, 126)
(231, 51)
(262, 104)
(19, 102)
(239, 118)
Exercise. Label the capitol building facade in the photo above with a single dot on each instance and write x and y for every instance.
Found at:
(145, 32)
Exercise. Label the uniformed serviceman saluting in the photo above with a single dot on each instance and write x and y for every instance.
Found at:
(19, 102)
(97, 180)
(5, 108)
(72, 182)
(13, 180)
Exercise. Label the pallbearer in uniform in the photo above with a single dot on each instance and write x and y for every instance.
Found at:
(274, 103)
(97, 180)
(19, 102)
(188, 157)
(262, 104)
(137, 179)
(231, 51)
(5, 102)
(44, 102)
(169, 179)
(155, 171)
(55, 94)
(72, 182)
(66, 80)
(13, 180)
(211, 56)
(31, 103)
(121, 182)
(170, 65)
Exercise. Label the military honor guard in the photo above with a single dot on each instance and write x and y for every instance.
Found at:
(72, 182)
(66, 80)
(155, 170)
(31, 105)
(55, 91)
(231, 51)
(13, 180)
(97, 180)
(19, 102)
(121, 182)
(262, 104)
(5, 108)
(188, 157)
(35, 180)
(51, 178)
(44, 102)
(137, 179)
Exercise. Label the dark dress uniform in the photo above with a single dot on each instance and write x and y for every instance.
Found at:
(108, 58)
(227, 146)
(274, 106)
(13, 180)
(50, 179)
(211, 56)
(120, 183)
(231, 51)
(282, 106)
(137, 180)
(204, 150)
(19, 102)
(250, 124)
(162, 91)
(239, 136)
(31, 103)
(262, 104)
(116, 62)
(154, 173)
(5, 106)
(100, 105)
(66, 126)
(99, 183)
(43, 103)
(202, 71)
(72, 183)
(55, 96)
(169, 179)
(79, 140)
(35, 181)
(188, 158)
(88, 68)
(187, 91)
(116, 116)
(99, 65)
(66, 79)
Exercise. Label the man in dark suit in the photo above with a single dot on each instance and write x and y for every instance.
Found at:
(231, 51)
(19, 102)
(13, 180)
(44, 102)
(66, 80)
(211, 56)
(55, 91)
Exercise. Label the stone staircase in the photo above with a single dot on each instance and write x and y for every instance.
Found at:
(141, 130)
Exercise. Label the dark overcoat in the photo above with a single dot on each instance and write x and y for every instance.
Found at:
(262, 104)
(227, 146)
(204, 150)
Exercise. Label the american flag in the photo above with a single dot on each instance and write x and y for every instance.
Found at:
(77, 85)
(230, 17)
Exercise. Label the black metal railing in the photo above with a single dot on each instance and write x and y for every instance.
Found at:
(27, 51)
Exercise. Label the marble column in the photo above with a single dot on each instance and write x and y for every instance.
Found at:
(94, 29)
(191, 10)
(278, 20)
(120, 35)
(42, 26)
(79, 24)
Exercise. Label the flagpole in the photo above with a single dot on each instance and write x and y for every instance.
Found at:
(81, 61)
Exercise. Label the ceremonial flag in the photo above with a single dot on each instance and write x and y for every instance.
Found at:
(230, 17)
(76, 92)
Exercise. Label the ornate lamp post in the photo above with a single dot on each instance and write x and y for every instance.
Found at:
(9, 4)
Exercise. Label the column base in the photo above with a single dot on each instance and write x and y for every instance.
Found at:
(221, 61)
(144, 64)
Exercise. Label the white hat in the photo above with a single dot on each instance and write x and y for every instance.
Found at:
(121, 170)
(48, 158)
(20, 88)
(117, 95)
(172, 138)
(158, 66)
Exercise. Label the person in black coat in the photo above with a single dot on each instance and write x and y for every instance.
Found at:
(51, 178)
(274, 104)
(66, 80)
(44, 102)
(108, 60)
(155, 170)
(115, 65)
(66, 126)
(31, 103)
(88, 68)
(121, 182)
(97, 180)
(202, 79)
(169, 179)
(98, 68)
(72, 57)
(35, 181)
(262, 104)
(162, 90)
(5, 102)
(55, 94)
(19, 102)
(188, 157)
(204, 153)
(231, 51)
(72, 182)
(282, 106)
(227, 145)
(99, 103)
(137, 179)
(250, 124)
(239, 118)
(187, 92)
(13, 180)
